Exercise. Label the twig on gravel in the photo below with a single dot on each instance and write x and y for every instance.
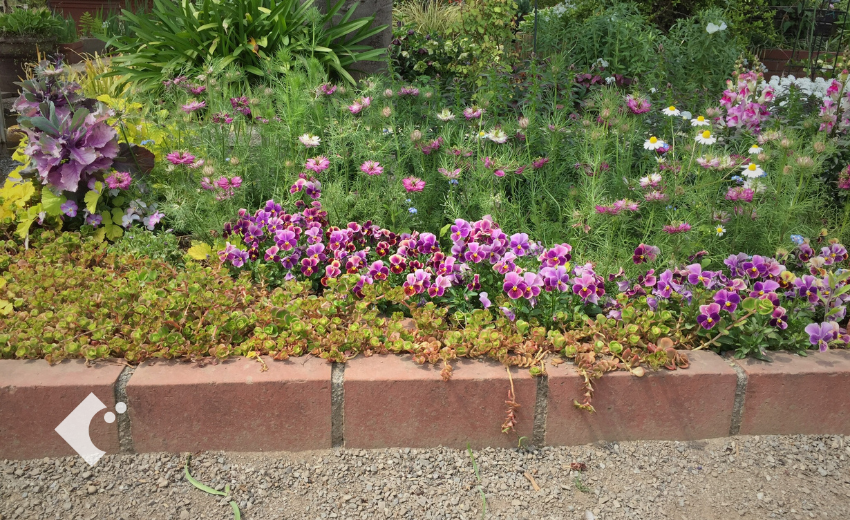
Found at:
(478, 478)
(533, 482)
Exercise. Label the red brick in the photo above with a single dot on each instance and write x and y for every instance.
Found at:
(35, 397)
(392, 401)
(695, 403)
(178, 406)
(797, 395)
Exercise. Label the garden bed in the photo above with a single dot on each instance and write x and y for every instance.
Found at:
(385, 401)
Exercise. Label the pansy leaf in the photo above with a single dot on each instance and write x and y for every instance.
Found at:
(92, 197)
(52, 203)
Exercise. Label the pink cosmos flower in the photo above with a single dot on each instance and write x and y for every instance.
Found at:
(413, 184)
(193, 105)
(180, 158)
(372, 168)
(318, 164)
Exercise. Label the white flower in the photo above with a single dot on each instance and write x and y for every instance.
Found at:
(712, 28)
(720, 230)
(755, 185)
(699, 121)
(706, 138)
(686, 115)
(601, 63)
(653, 90)
(445, 115)
(310, 141)
(755, 149)
(753, 171)
(498, 136)
(653, 143)
(610, 79)
(671, 111)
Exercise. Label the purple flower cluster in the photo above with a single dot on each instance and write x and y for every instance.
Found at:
(241, 105)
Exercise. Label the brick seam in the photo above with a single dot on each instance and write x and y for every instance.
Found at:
(338, 405)
(125, 430)
(740, 397)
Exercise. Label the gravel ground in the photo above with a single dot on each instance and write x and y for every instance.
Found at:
(793, 477)
(6, 165)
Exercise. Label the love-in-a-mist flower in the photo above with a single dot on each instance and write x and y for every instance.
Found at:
(119, 181)
(753, 171)
(650, 181)
(674, 228)
(671, 111)
(755, 149)
(372, 168)
(472, 112)
(310, 141)
(193, 105)
(653, 143)
(413, 184)
(699, 121)
(540, 162)
(328, 89)
(318, 164)
(449, 174)
(637, 104)
(705, 137)
(498, 136)
(445, 115)
(180, 158)
(709, 315)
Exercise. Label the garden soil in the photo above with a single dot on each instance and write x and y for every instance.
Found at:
(786, 477)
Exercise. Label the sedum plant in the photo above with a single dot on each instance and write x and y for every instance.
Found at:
(181, 35)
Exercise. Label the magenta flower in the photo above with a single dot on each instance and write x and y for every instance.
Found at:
(438, 288)
(417, 282)
(681, 227)
(555, 278)
(413, 184)
(69, 208)
(709, 315)
(193, 105)
(539, 162)
(484, 299)
(514, 285)
(519, 244)
(180, 158)
(328, 89)
(585, 287)
(822, 334)
(727, 300)
(240, 104)
(372, 168)
(778, 318)
(644, 253)
(222, 117)
(472, 112)
(449, 174)
(119, 181)
(318, 164)
(637, 105)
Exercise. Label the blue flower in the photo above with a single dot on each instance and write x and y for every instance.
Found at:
(737, 178)
(412, 211)
(453, 181)
(797, 239)
(407, 200)
(147, 142)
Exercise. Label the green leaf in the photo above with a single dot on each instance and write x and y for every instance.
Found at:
(765, 307)
(51, 202)
(445, 229)
(236, 514)
(200, 250)
(93, 196)
(749, 304)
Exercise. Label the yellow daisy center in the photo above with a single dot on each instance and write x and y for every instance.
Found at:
(751, 167)
(754, 147)
(701, 119)
(706, 134)
(672, 108)
(653, 139)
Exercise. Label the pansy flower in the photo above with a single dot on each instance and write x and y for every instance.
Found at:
(709, 315)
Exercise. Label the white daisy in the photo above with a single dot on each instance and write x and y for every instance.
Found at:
(310, 141)
(699, 121)
(720, 230)
(498, 136)
(706, 138)
(653, 143)
(755, 149)
(753, 171)
(445, 115)
(671, 111)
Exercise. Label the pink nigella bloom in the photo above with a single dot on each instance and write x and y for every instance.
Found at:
(180, 158)
(198, 89)
(449, 174)
(119, 181)
(472, 112)
(222, 117)
(408, 91)
(539, 162)
(680, 227)
(328, 89)
(318, 164)
(638, 105)
(193, 105)
(413, 184)
(372, 168)
(359, 104)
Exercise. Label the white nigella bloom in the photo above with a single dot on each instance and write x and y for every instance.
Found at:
(720, 230)
(445, 115)
(699, 121)
(755, 149)
(686, 115)
(753, 171)
(712, 28)
(498, 136)
(310, 141)
(755, 185)
(706, 138)
(671, 111)
(653, 143)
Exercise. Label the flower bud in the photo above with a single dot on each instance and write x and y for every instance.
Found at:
(785, 143)
(388, 93)
(209, 170)
(234, 161)
(787, 170)
(268, 91)
(523, 122)
(820, 146)
(428, 95)
(605, 114)
(416, 136)
(805, 161)
(762, 157)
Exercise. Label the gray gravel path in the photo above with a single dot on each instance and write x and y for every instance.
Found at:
(789, 477)
(6, 165)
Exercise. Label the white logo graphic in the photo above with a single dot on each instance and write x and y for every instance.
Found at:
(75, 428)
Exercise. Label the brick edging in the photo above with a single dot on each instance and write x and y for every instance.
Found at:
(389, 401)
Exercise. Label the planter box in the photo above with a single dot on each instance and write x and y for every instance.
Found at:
(76, 8)
(72, 52)
(15, 53)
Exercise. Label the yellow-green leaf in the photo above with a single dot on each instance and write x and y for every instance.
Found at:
(5, 307)
(51, 202)
(200, 250)
(92, 197)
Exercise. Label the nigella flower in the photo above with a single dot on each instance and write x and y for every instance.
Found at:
(193, 106)
(180, 158)
(539, 162)
(699, 121)
(198, 90)
(709, 315)
(498, 136)
(650, 181)
(372, 168)
(472, 112)
(655, 196)
(318, 164)
(638, 105)
(706, 138)
(680, 227)
(445, 115)
(240, 104)
(821, 335)
(408, 91)
(69, 208)
(310, 141)
(449, 174)
(222, 117)
(327, 89)
(671, 111)
(413, 184)
(499, 173)
(119, 181)
(653, 143)
(644, 253)
(727, 300)
(740, 193)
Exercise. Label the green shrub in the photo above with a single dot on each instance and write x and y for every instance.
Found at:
(177, 36)
(31, 22)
